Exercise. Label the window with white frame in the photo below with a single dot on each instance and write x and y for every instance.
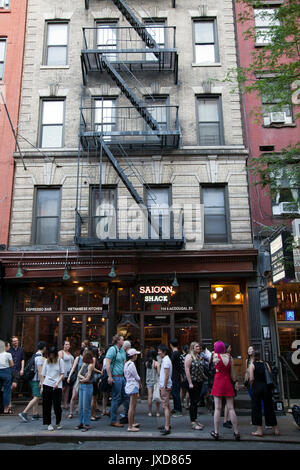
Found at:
(105, 116)
(47, 216)
(265, 22)
(56, 53)
(273, 112)
(157, 31)
(210, 128)
(4, 4)
(52, 123)
(107, 38)
(2, 56)
(216, 227)
(158, 202)
(205, 42)
(287, 194)
(103, 223)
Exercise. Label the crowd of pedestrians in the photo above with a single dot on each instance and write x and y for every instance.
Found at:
(188, 377)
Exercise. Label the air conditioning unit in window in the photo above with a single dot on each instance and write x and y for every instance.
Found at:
(4, 3)
(288, 208)
(277, 117)
(296, 231)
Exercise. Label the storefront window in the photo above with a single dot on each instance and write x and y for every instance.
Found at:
(25, 331)
(288, 301)
(95, 329)
(38, 299)
(82, 296)
(287, 336)
(48, 329)
(149, 297)
(72, 331)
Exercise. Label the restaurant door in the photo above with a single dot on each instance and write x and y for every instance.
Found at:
(227, 327)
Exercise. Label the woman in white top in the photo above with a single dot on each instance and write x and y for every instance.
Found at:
(132, 387)
(6, 362)
(68, 359)
(152, 380)
(53, 374)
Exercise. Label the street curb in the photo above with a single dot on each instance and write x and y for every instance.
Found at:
(36, 439)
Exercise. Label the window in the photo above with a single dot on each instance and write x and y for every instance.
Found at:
(2, 56)
(205, 42)
(157, 31)
(47, 216)
(4, 4)
(105, 116)
(209, 121)
(52, 123)
(56, 53)
(106, 39)
(158, 201)
(273, 113)
(158, 108)
(264, 24)
(287, 193)
(103, 212)
(215, 216)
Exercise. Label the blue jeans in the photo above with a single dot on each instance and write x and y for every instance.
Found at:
(5, 380)
(85, 403)
(118, 396)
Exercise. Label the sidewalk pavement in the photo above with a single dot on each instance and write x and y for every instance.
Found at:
(13, 430)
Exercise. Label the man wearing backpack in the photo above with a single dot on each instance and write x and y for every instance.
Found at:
(35, 382)
(115, 360)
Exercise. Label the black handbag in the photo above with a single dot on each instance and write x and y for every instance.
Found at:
(73, 377)
(270, 380)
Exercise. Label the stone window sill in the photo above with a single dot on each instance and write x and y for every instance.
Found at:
(216, 64)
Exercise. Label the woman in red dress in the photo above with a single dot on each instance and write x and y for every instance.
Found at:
(223, 387)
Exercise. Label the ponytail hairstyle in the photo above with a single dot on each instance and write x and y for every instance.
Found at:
(151, 356)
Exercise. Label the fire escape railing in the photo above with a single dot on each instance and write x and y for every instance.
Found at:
(108, 130)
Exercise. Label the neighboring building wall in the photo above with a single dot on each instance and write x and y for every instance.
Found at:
(185, 169)
(259, 135)
(12, 30)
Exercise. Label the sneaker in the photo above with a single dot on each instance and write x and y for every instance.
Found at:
(59, 426)
(23, 417)
(50, 427)
(162, 428)
(35, 417)
(124, 420)
(176, 414)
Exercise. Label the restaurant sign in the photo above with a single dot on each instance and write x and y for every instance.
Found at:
(159, 293)
(282, 263)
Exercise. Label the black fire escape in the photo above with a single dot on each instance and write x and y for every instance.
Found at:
(111, 131)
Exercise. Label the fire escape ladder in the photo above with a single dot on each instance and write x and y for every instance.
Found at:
(137, 25)
(142, 110)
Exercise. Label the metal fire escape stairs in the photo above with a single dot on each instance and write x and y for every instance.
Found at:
(113, 148)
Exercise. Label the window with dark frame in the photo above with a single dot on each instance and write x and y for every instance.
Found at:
(215, 214)
(103, 209)
(205, 42)
(2, 56)
(47, 216)
(210, 130)
(56, 53)
(52, 123)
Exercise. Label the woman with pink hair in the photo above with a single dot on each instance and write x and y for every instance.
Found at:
(223, 387)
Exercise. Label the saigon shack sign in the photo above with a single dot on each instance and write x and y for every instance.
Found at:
(158, 293)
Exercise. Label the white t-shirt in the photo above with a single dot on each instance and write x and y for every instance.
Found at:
(39, 360)
(52, 373)
(5, 357)
(166, 364)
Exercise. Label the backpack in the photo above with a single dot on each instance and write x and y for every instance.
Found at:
(296, 414)
(29, 369)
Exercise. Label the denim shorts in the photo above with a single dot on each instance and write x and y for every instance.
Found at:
(135, 390)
